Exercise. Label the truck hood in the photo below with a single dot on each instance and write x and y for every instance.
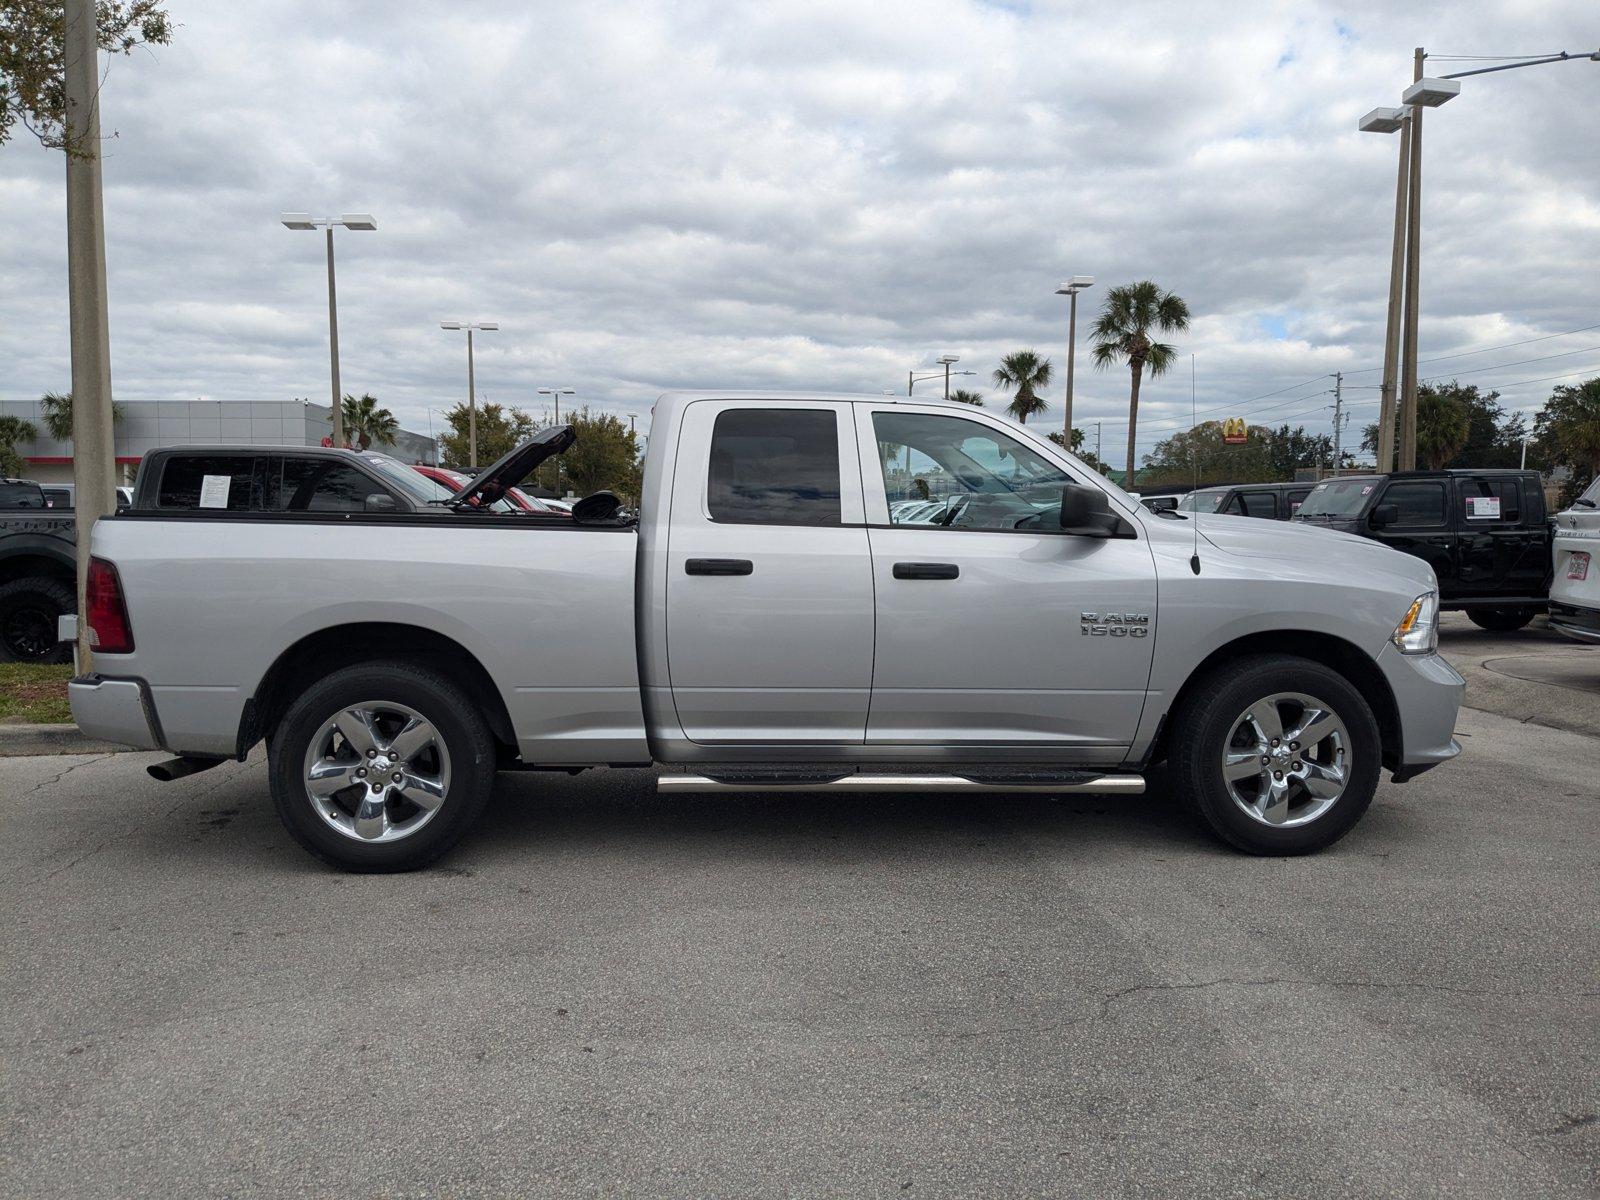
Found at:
(495, 480)
(1333, 552)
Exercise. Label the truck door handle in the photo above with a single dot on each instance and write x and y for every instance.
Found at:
(913, 570)
(718, 566)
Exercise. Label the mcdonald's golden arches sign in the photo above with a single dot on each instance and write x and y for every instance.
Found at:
(1234, 432)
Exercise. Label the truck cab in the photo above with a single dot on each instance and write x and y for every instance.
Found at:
(1269, 501)
(1485, 533)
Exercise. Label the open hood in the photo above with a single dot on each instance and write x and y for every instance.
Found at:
(495, 480)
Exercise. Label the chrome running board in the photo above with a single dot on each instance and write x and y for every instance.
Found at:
(1122, 785)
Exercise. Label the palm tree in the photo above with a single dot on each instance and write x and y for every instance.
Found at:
(1025, 371)
(365, 422)
(56, 409)
(1121, 333)
(12, 431)
(962, 396)
(1443, 425)
(1569, 425)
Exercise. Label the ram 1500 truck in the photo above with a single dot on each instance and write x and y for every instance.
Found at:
(764, 623)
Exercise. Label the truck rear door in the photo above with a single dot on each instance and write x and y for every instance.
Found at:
(769, 575)
(1503, 549)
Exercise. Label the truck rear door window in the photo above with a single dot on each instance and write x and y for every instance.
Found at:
(775, 466)
(1260, 504)
(1421, 505)
(225, 482)
(1491, 501)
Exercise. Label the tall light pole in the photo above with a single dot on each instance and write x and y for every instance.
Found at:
(472, 383)
(1406, 254)
(945, 360)
(360, 221)
(912, 378)
(1071, 288)
(556, 394)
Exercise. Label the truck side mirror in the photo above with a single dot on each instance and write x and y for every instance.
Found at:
(1086, 512)
(1384, 514)
(380, 502)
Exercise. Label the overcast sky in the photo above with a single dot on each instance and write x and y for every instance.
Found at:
(816, 194)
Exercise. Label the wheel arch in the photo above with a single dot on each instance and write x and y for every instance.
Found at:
(36, 557)
(338, 646)
(1353, 663)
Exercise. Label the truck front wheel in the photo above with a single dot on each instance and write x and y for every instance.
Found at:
(1276, 754)
(381, 767)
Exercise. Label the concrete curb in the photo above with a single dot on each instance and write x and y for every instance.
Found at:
(19, 740)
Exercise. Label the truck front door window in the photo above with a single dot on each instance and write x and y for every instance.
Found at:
(774, 466)
(968, 475)
(1420, 505)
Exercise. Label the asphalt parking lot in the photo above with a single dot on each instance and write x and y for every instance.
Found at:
(604, 991)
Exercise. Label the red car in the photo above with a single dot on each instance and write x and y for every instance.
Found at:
(455, 481)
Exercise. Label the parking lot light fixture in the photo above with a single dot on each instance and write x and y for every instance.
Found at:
(556, 394)
(1072, 287)
(364, 222)
(472, 385)
(1431, 93)
(1382, 120)
(945, 360)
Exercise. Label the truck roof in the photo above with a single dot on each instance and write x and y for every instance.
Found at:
(685, 396)
(1442, 473)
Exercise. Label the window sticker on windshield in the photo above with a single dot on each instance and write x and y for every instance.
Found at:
(1483, 508)
(214, 491)
(1366, 489)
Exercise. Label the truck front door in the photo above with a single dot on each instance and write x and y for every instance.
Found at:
(995, 628)
(1421, 527)
(769, 576)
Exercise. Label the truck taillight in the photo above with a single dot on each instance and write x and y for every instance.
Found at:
(109, 630)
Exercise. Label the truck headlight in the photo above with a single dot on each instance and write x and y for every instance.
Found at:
(1418, 631)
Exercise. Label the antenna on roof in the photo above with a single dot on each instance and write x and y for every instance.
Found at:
(1194, 459)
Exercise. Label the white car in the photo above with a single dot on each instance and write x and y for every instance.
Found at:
(1575, 586)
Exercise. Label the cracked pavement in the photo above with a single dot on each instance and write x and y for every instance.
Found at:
(608, 991)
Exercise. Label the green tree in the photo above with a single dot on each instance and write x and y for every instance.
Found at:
(1289, 450)
(499, 430)
(1077, 448)
(1267, 455)
(366, 423)
(33, 74)
(604, 458)
(12, 431)
(56, 409)
(1567, 430)
(1453, 414)
(962, 396)
(1024, 371)
(1121, 333)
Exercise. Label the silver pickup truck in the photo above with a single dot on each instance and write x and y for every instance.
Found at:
(774, 618)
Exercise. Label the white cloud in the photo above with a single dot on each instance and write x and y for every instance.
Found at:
(808, 194)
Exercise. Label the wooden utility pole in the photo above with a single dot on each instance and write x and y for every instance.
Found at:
(93, 446)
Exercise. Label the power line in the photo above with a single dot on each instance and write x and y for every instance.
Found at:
(1485, 349)
(1519, 363)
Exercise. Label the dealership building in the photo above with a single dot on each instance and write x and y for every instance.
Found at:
(148, 424)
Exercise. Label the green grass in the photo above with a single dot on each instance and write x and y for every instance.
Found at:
(35, 693)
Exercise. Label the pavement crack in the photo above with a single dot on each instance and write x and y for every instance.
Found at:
(1108, 999)
(60, 775)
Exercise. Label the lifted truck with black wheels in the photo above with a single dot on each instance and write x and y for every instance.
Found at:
(766, 622)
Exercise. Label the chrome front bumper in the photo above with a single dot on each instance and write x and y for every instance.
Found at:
(115, 710)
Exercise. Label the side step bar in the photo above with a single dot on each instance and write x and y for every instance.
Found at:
(1122, 785)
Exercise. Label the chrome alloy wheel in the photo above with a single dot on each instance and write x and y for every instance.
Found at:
(377, 772)
(1287, 760)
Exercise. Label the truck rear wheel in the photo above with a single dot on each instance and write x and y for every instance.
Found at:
(28, 611)
(381, 766)
(1276, 754)
(1500, 620)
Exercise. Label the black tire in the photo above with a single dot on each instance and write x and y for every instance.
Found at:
(1500, 620)
(28, 611)
(452, 713)
(1209, 717)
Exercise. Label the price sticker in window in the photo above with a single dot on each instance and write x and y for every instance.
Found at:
(214, 491)
(1483, 508)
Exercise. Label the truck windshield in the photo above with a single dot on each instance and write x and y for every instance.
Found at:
(1201, 501)
(1337, 498)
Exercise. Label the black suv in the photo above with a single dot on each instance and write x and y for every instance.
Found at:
(1273, 501)
(1485, 533)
